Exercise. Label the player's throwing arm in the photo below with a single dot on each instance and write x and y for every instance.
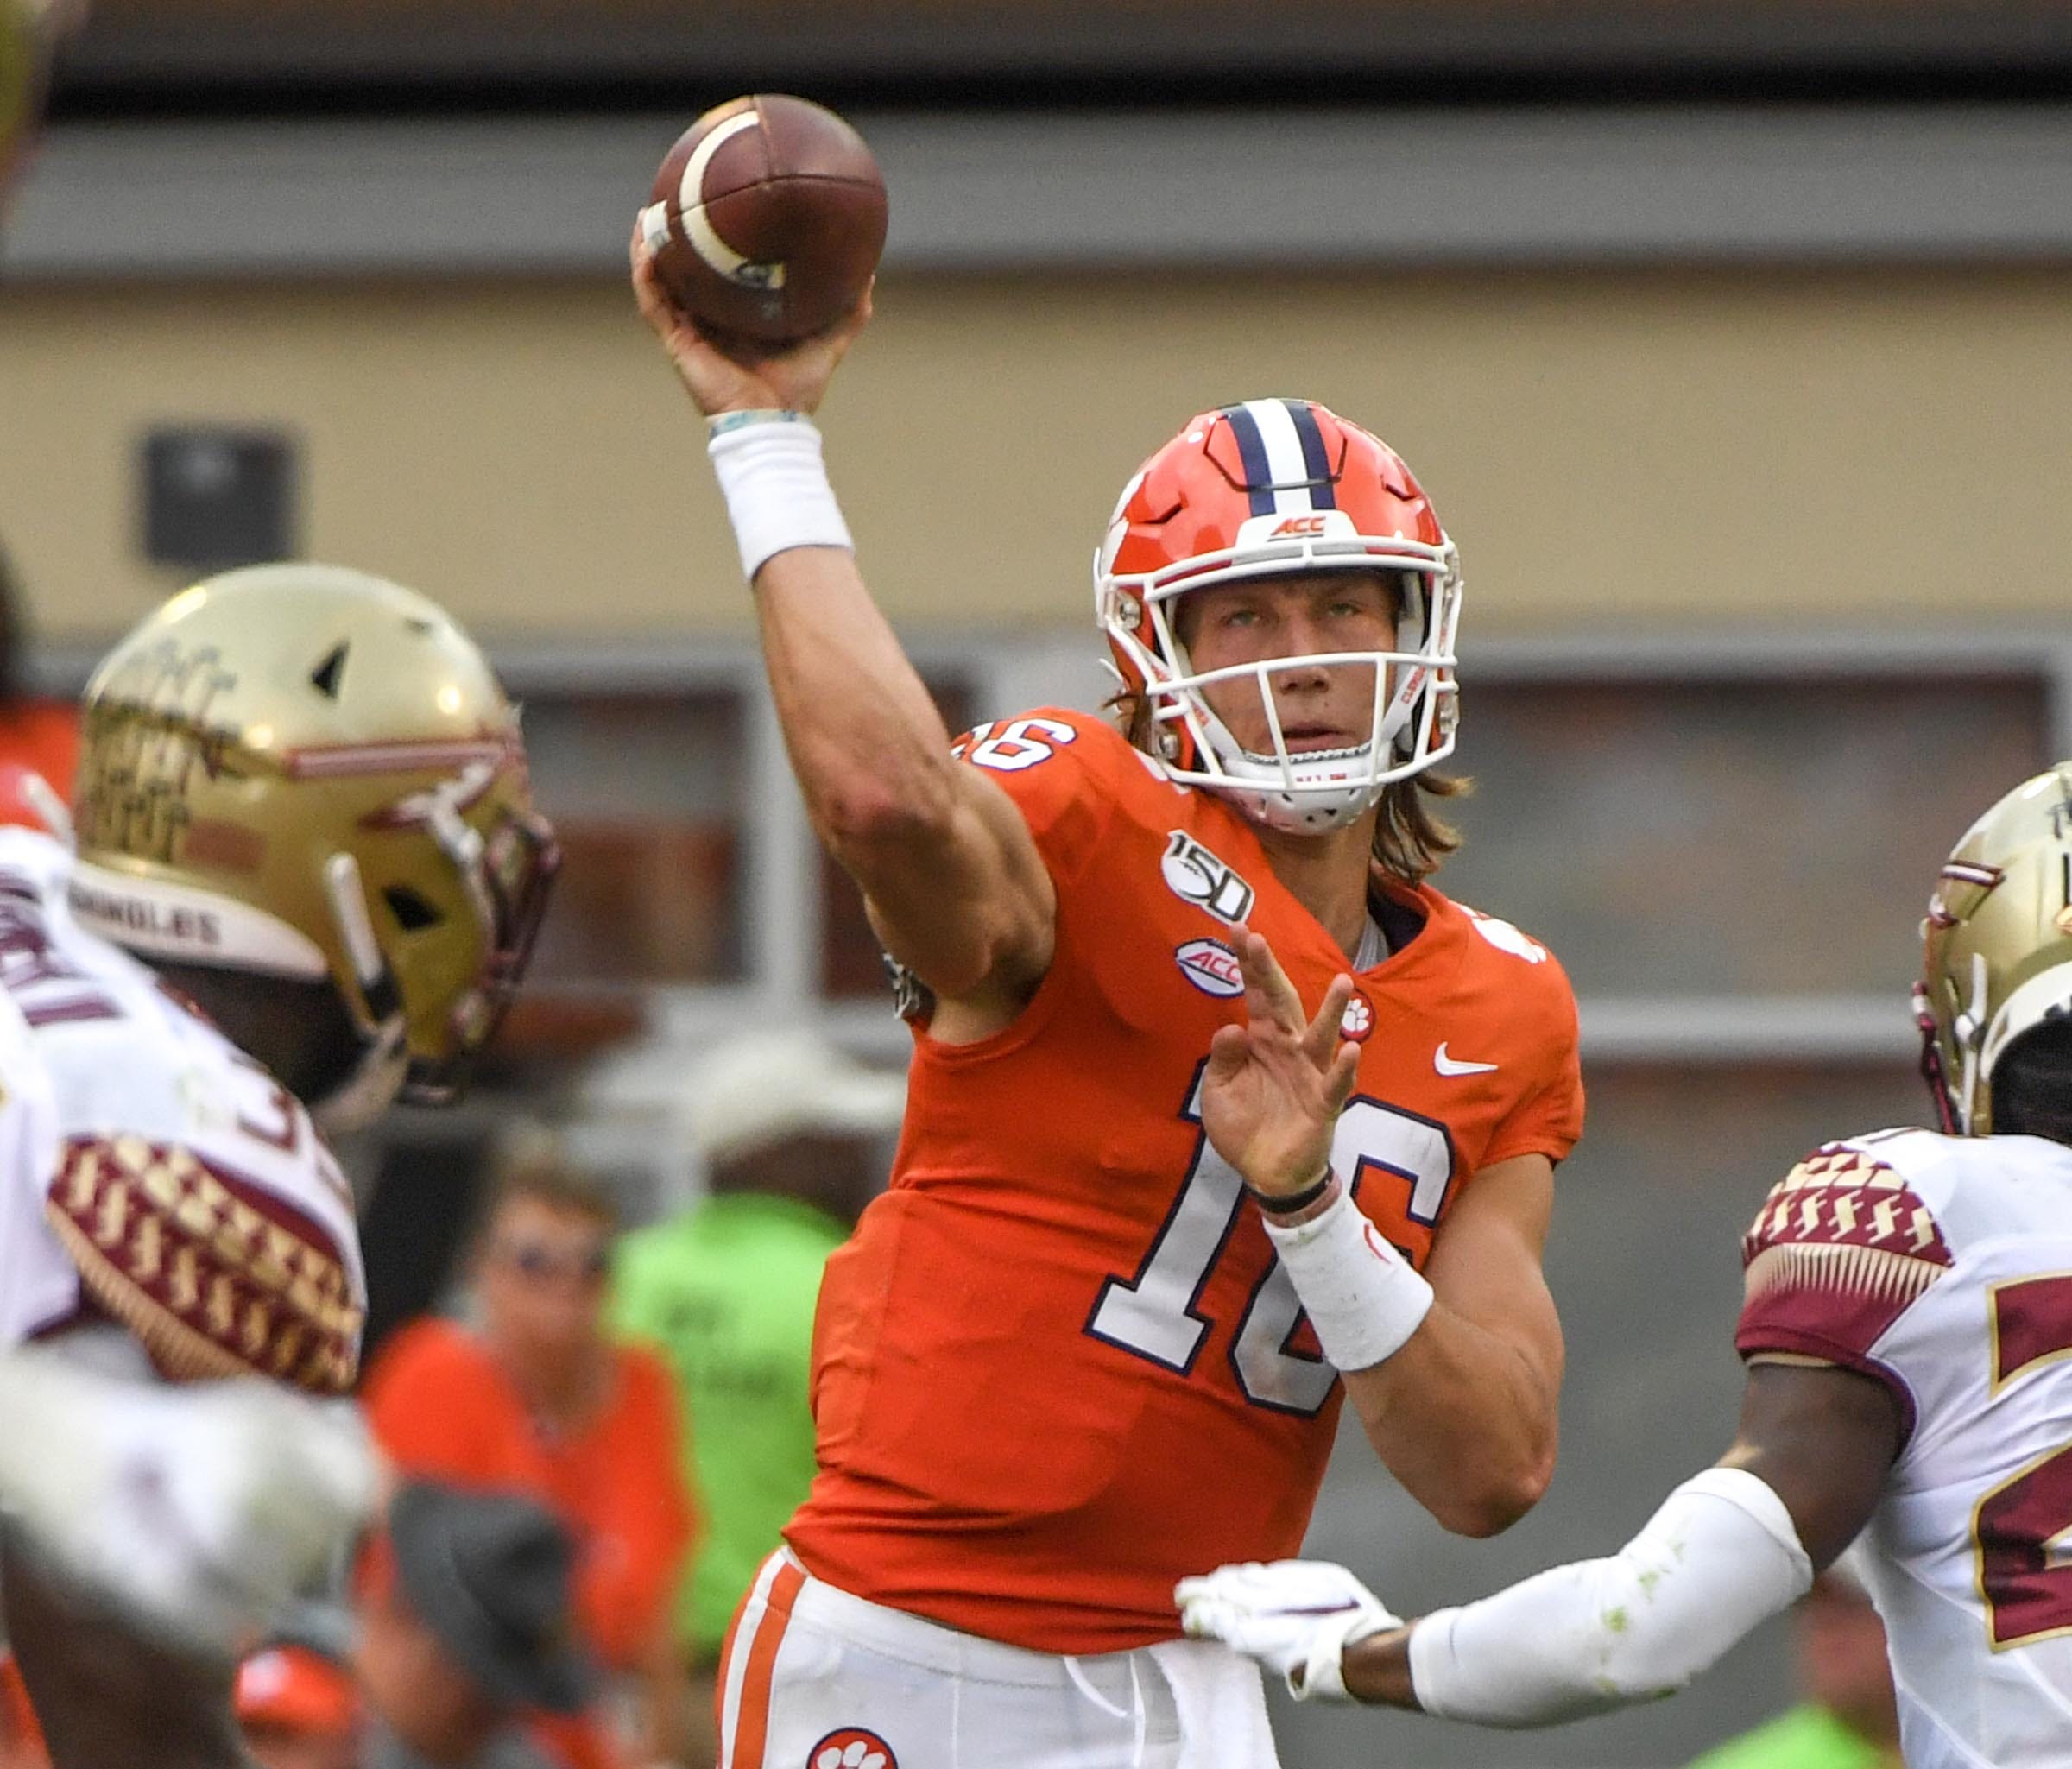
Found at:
(1132, 1156)
(955, 887)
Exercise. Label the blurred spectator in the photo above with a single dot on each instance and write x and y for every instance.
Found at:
(20, 1738)
(794, 1138)
(38, 736)
(1849, 1719)
(466, 1628)
(535, 1400)
(299, 1708)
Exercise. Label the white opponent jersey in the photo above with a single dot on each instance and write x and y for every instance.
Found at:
(1941, 1267)
(149, 1171)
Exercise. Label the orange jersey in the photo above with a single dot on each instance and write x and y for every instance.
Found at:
(1059, 1368)
(440, 1405)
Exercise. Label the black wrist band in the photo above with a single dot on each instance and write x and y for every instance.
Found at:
(1297, 1201)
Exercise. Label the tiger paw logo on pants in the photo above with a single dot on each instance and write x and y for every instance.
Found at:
(852, 1747)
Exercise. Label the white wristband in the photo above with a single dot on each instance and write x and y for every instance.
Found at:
(774, 481)
(1363, 1298)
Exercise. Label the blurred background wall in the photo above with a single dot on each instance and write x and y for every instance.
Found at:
(1733, 342)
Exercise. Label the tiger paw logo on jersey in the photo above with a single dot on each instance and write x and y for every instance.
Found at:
(1358, 1025)
(852, 1747)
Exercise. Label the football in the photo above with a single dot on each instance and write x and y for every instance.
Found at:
(766, 220)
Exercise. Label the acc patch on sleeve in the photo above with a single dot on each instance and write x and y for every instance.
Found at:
(213, 1276)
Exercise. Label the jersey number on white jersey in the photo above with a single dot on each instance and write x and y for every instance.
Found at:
(2022, 1530)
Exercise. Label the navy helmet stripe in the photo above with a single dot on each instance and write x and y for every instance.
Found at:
(1251, 455)
(1316, 460)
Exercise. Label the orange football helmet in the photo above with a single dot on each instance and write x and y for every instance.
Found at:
(1267, 488)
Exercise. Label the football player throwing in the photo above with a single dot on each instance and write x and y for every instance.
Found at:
(1069, 1347)
(306, 876)
(1908, 1329)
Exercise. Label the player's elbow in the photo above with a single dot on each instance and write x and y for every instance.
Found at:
(961, 957)
(1482, 1516)
(1490, 1503)
(863, 811)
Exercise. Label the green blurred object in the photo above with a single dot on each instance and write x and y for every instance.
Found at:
(1807, 1737)
(726, 1294)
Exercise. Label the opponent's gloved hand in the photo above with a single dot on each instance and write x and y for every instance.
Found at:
(198, 1512)
(1296, 1617)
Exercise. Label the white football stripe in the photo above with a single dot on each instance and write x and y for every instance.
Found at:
(691, 194)
(1285, 464)
(707, 244)
(690, 200)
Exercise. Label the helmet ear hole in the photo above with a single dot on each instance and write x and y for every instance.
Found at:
(326, 676)
(413, 913)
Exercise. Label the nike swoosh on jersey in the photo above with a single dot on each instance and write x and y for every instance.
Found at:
(1447, 1065)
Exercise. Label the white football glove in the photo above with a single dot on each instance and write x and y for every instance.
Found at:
(198, 1511)
(1294, 1616)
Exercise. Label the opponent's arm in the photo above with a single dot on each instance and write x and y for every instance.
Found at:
(956, 887)
(1465, 1413)
(105, 1693)
(1728, 1549)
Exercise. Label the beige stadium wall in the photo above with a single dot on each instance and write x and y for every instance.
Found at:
(1735, 450)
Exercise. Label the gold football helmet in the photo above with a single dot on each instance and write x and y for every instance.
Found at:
(301, 772)
(1999, 945)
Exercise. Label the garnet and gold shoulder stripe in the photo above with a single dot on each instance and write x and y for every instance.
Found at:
(1841, 1247)
(1842, 1196)
(215, 1276)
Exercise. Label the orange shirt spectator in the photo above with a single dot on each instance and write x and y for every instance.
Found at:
(538, 1401)
(20, 1738)
(37, 735)
(443, 1407)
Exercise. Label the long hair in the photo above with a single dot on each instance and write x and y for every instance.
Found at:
(1411, 841)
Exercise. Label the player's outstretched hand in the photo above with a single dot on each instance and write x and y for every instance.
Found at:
(1277, 1083)
(792, 379)
(1296, 1617)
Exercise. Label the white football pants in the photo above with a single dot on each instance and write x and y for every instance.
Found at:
(815, 1679)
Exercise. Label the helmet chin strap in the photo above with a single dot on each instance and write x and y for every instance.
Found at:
(1931, 1063)
(384, 1059)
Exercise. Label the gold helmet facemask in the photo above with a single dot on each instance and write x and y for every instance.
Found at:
(1997, 946)
(310, 773)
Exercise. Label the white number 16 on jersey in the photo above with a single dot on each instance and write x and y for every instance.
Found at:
(1155, 1313)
